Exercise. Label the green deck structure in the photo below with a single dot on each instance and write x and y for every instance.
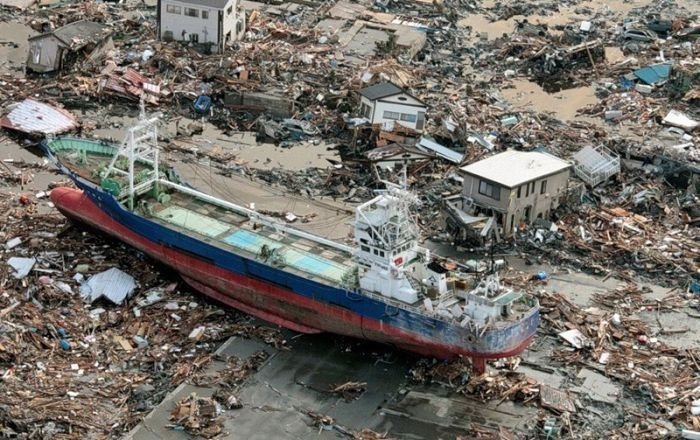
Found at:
(192, 221)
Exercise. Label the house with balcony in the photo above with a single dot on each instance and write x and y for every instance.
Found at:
(204, 23)
(513, 187)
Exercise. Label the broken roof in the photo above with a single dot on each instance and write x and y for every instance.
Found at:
(381, 90)
(78, 33)
(396, 151)
(30, 116)
(512, 168)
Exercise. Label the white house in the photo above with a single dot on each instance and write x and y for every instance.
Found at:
(386, 102)
(515, 187)
(214, 22)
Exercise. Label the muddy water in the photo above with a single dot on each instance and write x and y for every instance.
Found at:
(571, 14)
(40, 179)
(13, 46)
(299, 156)
(527, 95)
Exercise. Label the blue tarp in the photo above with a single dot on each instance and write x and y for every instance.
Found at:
(654, 74)
(202, 104)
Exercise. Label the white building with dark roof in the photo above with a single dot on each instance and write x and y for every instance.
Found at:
(387, 102)
(202, 22)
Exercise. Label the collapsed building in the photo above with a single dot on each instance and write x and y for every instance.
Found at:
(52, 51)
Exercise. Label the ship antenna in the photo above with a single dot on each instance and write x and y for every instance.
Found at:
(491, 251)
(404, 173)
(142, 109)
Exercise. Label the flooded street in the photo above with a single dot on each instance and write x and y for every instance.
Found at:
(14, 47)
(525, 95)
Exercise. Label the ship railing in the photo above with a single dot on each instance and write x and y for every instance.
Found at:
(258, 217)
(413, 308)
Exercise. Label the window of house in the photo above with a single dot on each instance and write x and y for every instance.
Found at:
(365, 248)
(172, 9)
(381, 253)
(519, 190)
(229, 10)
(532, 188)
(168, 35)
(194, 38)
(36, 52)
(375, 252)
(191, 12)
(490, 190)
(527, 189)
(205, 15)
(365, 110)
(543, 187)
(402, 98)
(391, 115)
(408, 118)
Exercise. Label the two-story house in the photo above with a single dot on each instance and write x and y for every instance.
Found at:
(202, 22)
(514, 187)
(387, 102)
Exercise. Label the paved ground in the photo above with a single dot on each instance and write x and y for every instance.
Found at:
(291, 383)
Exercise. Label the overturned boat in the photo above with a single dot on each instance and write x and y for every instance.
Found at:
(385, 288)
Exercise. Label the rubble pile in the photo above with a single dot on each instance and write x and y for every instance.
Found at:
(60, 354)
(198, 416)
(456, 375)
(636, 226)
(613, 340)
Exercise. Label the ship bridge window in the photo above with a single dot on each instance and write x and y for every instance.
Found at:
(365, 248)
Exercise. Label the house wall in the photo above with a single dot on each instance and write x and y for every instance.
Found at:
(207, 30)
(44, 54)
(394, 104)
(514, 208)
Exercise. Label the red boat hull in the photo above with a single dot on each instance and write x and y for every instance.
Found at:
(259, 298)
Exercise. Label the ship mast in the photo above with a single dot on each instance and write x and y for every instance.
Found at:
(140, 146)
(387, 239)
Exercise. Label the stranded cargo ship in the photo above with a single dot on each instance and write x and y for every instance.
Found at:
(385, 288)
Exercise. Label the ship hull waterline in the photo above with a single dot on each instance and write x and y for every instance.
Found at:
(265, 300)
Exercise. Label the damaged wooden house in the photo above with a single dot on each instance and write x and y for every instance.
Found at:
(503, 191)
(56, 50)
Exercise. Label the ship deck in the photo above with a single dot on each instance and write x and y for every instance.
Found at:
(236, 232)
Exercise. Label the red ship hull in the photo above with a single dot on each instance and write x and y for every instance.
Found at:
(261, 299)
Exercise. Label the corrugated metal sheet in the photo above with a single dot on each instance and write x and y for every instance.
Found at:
(134, 77)
(428, 144)
(132, 84)
(30, 116)
(113, 284)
